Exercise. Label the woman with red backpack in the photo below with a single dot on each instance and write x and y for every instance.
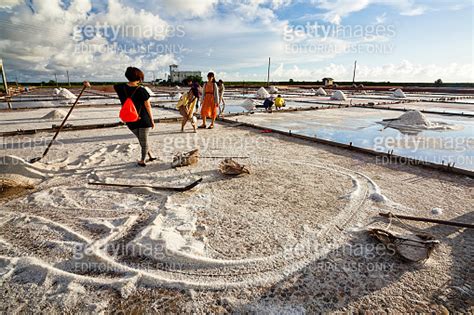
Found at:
(136, 110)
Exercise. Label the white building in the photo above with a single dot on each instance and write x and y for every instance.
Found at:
(178, 76)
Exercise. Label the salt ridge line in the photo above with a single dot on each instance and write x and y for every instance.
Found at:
(288, 269)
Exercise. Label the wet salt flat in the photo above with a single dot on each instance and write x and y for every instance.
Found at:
(33, 119)
(360, 127)
(454, 107)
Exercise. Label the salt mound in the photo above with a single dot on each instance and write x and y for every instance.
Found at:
(413, 118)
(56, 91)
(399, 94)
(65, 93)
(12, 166)
(273, 90)
(249, 104)
(177, 96)
(339, 96)
(321, 92)
(262, 93)
(55, 114)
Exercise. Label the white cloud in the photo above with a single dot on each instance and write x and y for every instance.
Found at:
(188, 8)
(133, 23)
(9, 4)
(405, 71)
(235, 40)
(41, 41)
(277, 4)
(381, 18)
(336, 10)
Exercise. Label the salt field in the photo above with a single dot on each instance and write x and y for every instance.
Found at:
(337, 120)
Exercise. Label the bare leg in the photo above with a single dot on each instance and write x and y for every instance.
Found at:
(214, 115)
(150, 157)
(183, 123)
(223, 108)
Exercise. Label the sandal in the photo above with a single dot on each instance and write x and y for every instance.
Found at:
(202, 127)
(141, 164)
(210, 127)
(152, 159)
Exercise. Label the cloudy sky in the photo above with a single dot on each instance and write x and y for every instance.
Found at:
(392, 40)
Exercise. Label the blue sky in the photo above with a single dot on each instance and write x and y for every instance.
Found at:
(414, 41)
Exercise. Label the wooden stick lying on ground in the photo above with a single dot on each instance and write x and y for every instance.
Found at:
(410, 218)
(224, 157)
(184, 188)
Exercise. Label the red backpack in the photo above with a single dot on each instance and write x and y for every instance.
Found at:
(128, 112)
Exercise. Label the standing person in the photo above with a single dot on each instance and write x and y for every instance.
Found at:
(197, 90)
(210, 101)
(221, 89)
(186, 106)
(141, 99)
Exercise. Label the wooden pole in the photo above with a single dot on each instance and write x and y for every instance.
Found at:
(354, 76)
(86, 85)
(68, 82)
(5, 85)
(56, 79)
(410, 218)
(268, 73)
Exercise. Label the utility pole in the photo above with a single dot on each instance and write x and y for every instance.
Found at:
(68, 82)
(5, 85)
(56, 79)
(268, 73)
(354, 76)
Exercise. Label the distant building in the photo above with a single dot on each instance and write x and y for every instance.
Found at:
(178, 76)
(328, 81)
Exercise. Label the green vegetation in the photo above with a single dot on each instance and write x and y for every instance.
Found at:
(253, 84)
(195, 77)
(349, 84)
